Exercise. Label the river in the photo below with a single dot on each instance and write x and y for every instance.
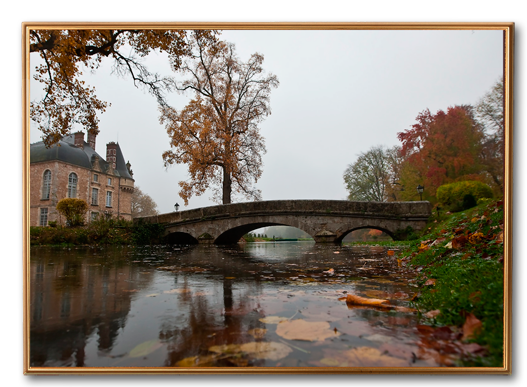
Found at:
(257, 305)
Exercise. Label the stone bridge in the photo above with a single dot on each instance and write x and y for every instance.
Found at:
(327, 221)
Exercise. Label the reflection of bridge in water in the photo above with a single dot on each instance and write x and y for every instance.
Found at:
(327, 221)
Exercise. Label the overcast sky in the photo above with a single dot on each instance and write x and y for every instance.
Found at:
(340, 93)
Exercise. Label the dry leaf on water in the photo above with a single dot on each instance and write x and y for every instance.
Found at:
(273, 319)
(364, 357)
(357, 300)
(145, 348)
(305, 330)
(258, 350)
(197, 361)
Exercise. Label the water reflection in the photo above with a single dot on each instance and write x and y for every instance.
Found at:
(208, 305)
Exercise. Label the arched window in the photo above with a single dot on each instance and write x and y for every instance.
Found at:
(46, 184)
(72, 185)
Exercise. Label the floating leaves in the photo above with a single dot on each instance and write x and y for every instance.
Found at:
(258, 350)
(363, 357)
(305, 330)
(273, 319)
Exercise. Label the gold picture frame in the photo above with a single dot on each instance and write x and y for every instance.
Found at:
(508, 77)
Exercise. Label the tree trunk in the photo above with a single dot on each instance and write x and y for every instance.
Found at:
(226, 186)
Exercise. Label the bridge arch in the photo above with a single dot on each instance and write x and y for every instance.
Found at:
(384, 230)
(234, 234)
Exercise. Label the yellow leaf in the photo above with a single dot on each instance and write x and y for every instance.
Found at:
(305, 330)
(273, 319)
(145, 348)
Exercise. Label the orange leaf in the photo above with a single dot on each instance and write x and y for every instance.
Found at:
(459, 242)
(391, 252)
(357, 300)
(472, 326)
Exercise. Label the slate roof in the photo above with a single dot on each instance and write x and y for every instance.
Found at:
(67, 152)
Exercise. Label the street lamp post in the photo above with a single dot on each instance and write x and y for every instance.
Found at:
(176, 207)
(420, 189)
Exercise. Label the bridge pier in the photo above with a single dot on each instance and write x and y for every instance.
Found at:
(326, 237)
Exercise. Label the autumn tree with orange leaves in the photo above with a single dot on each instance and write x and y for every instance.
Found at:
(217, 133)
(440, 148)
(66, 54)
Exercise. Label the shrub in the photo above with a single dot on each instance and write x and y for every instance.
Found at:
(73, 210)
(453, 195)
(147, 233)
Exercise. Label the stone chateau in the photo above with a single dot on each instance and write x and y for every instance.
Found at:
(73, 169)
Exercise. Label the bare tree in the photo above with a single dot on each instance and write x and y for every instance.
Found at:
(142, 204)
(489, 113)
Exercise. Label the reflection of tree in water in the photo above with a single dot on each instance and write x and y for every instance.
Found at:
(209, 323)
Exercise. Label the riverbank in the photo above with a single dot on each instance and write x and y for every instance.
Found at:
(99, 232)
(461, 279)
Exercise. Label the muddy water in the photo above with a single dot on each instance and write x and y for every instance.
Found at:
(258, 304)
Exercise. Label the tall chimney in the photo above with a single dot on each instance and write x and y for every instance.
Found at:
(91, 139)
(111, 153)
(79, 139)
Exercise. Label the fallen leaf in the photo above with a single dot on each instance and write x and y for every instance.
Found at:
(230, 278)
(197, 361)
(459, 242)
(371, 357)
(378, 338)
(471, 326)
(145, 348)
(449, 245)
(257, 333)
(266, 350)
(258, 350)
(499, 238)
(273, 319)
(390, 252)
(305, 330)
(152, 295)
(430, 282)
(357, 300)
(330, 271)
(432, 313)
